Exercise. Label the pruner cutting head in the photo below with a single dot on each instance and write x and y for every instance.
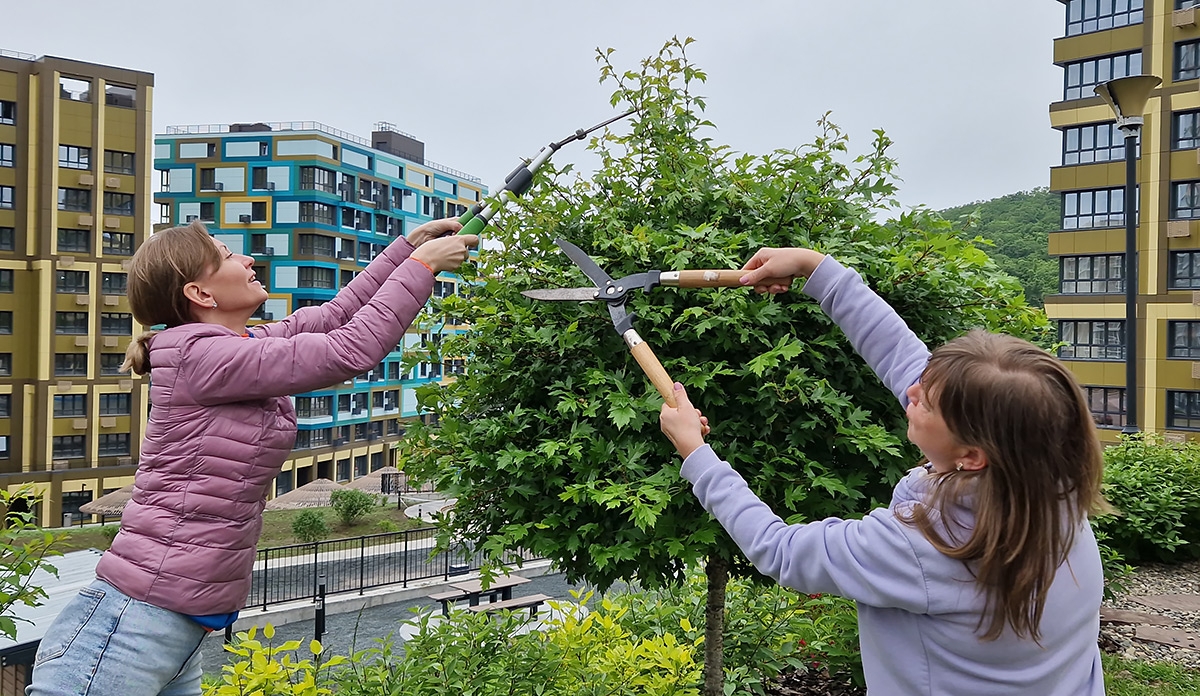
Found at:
(622, 320)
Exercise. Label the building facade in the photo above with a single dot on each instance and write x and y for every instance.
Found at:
(1103, 41)
(75, 177)
(313, 205)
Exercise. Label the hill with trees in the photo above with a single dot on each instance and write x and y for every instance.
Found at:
(1019, 225)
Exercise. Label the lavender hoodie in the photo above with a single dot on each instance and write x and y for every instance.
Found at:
(222, 424)
(917, 608)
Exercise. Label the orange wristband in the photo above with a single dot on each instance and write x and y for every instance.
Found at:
(426, 266)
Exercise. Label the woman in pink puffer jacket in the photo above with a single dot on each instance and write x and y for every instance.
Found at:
(220, 427)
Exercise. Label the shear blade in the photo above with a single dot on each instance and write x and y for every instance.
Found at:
(562, 294)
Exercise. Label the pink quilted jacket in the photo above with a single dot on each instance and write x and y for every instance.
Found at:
(221, 424)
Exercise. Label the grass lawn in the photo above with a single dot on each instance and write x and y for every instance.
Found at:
(1129, 678)
(277, 528)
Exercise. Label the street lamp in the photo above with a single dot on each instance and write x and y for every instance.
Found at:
(1127, 96)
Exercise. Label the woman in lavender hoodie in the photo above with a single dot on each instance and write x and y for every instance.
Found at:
(982, 576)
(220, 426)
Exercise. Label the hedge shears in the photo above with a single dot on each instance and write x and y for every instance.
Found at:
(615, 293)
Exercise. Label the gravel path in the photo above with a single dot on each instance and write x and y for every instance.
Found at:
(1152, 580)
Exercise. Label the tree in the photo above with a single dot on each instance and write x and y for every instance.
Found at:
(550, 441)
(24, 550)
(350, 504)
(1018, 226)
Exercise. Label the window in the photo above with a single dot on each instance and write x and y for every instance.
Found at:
(314, 406)
(118, 203)
(258, 211)
(258, 178)
(317, 212)
(317, 245)
(114, 405)
(309, 302)
(1099, 142)
(1187, 60)
(120, 95)
(6, 197)
(433, 206)
(208, 179)
(208, 211)
(343, 470)
(78, 200)
(310, 277)
(118, 244)
(71, 323)
(1183, 410)
(74, 157)
(114, 445)
(1107, 405)
(7, 239)
(72, 282)
(5, 364)
(1185, 4)
(6, 280)
(119, 162)
(1183, 339)
(1092, 340)
(6, 322)
(77, 241)
(110, 363)
(5, 405)
(1084, 16)
(1087, 275)
(116, 324)
(1185, 270)
(1185, 200)
(8, 112)
(1083, 75)
(1095, 208)
(113, 283)
(70, 406)
(70, 364)
(68, 446)
(360, 462)
(317, 179)
(1185, 130)
(7, 155)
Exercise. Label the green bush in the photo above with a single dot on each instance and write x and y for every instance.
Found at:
(309, 526)
(1155, 487)
(769, 629)
(388, 526)
(269, 670)
(110, 532)
(350, 504)
(584, 655)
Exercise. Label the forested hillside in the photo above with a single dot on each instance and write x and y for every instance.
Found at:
(1018, 224)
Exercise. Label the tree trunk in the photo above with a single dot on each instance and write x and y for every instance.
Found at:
(714, 627)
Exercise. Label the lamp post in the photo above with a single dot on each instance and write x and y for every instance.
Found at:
(1127, 96)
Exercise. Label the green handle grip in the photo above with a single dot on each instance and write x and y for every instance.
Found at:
(474, 225)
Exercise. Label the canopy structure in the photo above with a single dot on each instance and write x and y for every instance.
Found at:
(373, 482)
(109, 504)
(313, 494)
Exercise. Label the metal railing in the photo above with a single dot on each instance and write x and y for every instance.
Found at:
(291, 573)
(219, 128)
(17, 54)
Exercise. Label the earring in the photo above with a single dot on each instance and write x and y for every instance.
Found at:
(958, 466)
(215, 306)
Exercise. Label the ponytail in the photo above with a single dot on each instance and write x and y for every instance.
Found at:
(137, 355)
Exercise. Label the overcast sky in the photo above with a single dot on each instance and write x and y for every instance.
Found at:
(961, 86)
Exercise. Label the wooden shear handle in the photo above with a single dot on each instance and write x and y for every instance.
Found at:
(644, 354)
(715, 279)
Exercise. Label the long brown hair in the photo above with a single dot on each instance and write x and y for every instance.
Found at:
(169, 260)
(1028, 415)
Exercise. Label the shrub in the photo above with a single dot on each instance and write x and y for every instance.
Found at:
(388, 526)
(110, 532)
(267, 670)
(309, 526)
(350, 504)
(1155, 487)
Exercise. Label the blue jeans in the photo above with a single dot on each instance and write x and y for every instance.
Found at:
(104, 643)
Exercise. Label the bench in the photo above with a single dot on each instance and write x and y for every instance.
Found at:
(472, 590)
(532, 602)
